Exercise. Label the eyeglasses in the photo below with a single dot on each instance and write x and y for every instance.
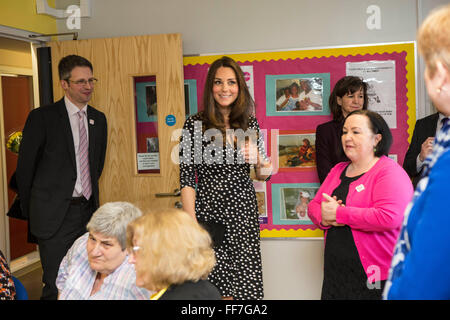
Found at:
(84, 82)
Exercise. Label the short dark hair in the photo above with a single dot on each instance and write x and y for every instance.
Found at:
(377, 125)
(347, 84)
(68, 63)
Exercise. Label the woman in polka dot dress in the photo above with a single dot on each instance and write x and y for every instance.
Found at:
(215, 181)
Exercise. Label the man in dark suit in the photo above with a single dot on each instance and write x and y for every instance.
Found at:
(421, 145)
(61, 158)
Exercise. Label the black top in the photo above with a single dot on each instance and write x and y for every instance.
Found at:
(200, 290)
(329, 150)
(423, 129)
(344, 275)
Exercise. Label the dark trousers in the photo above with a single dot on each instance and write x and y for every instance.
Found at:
(53, 250)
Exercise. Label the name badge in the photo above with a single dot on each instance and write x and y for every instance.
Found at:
(360, 188)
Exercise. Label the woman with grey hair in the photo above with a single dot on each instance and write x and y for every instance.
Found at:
(96, 266)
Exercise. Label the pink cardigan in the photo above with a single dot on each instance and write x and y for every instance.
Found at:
(374, 211)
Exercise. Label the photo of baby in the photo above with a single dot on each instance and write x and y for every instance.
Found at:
(294, 204)
(303, 94)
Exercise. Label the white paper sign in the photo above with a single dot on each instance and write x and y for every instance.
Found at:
(248, 75)
(148, 161)
(381, 91)
(393, 157)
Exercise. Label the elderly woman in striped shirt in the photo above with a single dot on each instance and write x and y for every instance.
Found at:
(96, 266)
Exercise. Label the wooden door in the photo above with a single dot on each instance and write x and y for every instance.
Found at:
(17, 101)
(116, 61)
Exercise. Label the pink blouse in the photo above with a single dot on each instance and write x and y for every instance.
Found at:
(374, 211)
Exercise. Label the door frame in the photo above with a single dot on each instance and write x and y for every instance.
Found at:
(21, 35)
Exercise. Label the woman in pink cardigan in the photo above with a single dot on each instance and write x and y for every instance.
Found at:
(360, 206)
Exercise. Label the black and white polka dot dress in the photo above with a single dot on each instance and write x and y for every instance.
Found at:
(226, 195)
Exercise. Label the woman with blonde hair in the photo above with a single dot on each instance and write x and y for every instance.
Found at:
(419, 268)
(172, 255)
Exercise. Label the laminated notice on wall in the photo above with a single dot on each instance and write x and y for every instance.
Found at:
(380, 78)
(148, 161)
(248, 76)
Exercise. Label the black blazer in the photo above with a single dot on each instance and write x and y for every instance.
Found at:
(201, 290)
(424, 128)
(46, 168)
(329, 151)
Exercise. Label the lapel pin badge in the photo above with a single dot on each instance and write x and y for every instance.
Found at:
(360, 188)
(91, 121)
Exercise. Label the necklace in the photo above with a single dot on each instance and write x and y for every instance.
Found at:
(353, 171)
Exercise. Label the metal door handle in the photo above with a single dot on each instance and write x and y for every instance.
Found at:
(176, 193)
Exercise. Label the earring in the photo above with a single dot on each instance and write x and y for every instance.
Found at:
(438, 90)
(374, 149)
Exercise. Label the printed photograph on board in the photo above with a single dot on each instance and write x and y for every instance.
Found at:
(146, 99)
(152, 144)
(294, 203)
(296, 150)
(261, 199)
(290, 203)
(301, 94)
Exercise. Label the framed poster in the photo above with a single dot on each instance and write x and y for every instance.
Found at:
(297, 94)
(296, 150)
(290, 206)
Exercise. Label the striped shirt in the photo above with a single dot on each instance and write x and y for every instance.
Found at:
(76, 278)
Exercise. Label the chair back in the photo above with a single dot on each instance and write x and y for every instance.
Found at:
(21, 292)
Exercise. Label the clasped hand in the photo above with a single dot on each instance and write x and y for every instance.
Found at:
(249, 151)
(329, 207)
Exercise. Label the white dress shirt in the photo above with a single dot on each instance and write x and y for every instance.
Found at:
(76, 278)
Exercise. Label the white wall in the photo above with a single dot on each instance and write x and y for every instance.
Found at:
(247, 25)
(292, 269)
(425, 107)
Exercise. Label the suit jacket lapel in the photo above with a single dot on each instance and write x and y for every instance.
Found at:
(67, 131)
(434, 122)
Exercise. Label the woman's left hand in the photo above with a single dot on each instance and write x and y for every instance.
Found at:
(329, 207)
(251, 155)
(250, 152)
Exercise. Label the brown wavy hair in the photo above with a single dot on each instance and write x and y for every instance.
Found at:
(241, 109)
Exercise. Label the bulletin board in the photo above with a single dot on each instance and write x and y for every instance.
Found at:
(389, 69)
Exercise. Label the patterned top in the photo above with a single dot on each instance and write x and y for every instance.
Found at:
(225, 195)
(76, 278)
(7, 289)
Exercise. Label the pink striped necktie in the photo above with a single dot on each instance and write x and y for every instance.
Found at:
(83, 156)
